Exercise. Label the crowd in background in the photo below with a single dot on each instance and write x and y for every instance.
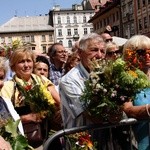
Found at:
(65, 73)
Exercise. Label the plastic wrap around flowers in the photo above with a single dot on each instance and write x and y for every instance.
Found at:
(111, 83)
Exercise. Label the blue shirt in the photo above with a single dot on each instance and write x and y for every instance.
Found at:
(141, 130)
(55, 74)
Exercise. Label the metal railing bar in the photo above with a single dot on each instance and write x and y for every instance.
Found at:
(61, 133)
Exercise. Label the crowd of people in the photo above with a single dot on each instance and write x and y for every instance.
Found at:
(65, 75)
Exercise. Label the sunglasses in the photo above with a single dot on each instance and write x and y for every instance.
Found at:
(108, 40)
(142, 52)
(111, 53)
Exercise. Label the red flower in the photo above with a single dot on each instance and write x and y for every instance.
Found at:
(28, 87)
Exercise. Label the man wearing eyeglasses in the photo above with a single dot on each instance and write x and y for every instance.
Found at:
(107, 37)
(58, 57)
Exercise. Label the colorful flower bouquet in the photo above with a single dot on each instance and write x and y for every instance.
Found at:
(38, 98)
(111, 83)
(81, 141)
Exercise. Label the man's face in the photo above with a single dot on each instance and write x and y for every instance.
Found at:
(95, 50)
(61, 54)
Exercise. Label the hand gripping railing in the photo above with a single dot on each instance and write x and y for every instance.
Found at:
(125, 122)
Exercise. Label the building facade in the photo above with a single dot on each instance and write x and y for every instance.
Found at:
(125, 17)
(71, 24)
(33, 30)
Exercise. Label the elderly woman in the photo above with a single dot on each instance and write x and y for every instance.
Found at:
(22, 62)
(112, 50)
(137, 51)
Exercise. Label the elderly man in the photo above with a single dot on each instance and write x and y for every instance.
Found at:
(72, 84)
(58, 57)
(91, 47)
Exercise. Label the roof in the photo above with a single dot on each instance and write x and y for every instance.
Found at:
(97, 2)
(25, 24)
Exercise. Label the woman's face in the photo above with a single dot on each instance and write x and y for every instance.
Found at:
(24, 67)
(41, 69)
(143, 55)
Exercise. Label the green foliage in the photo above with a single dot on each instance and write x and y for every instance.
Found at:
(111, 83)
(10, 133)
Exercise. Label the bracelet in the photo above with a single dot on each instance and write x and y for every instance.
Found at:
(148, 113)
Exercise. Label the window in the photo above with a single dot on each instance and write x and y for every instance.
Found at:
(145, 22)
(76, 31)
(75, 19)
(69, 43)
(50, 38)
(69, 32)
(85, 30)
(91, 30)
(124, 11)
(130, 6)
(9, 39)
(132, 28)
(84, 19)
(144, 3)
(59, 20)
(43, 38)
(61, 42)
(44, 49)
(59, 32)
(23, 39)
(33, 48)
(140, 24)
(68, 20)
(27, 39)
(138, 4)
(2, 40)
(32, 38)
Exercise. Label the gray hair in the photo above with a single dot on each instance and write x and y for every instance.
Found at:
(83, 43)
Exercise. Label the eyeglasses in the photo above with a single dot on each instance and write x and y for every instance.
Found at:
(108, 40)
(142, 52)
(111, 53)
(62, 52)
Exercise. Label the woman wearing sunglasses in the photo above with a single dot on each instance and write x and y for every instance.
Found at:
(137, 51)
(112, 50)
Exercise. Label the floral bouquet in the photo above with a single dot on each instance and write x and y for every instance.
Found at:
(111, 83)
(81, 141)
(38, 98)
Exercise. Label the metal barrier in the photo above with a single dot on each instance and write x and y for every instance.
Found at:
(125, 122)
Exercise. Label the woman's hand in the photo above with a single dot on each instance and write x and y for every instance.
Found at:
(32, 117)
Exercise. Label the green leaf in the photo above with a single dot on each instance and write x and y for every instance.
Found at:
(12, 126)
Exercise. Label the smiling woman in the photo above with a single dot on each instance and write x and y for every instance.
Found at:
(22, 62)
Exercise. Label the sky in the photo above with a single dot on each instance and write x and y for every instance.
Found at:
(10, 8)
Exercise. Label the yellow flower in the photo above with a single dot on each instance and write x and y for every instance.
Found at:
(133, 73)
(47, 95)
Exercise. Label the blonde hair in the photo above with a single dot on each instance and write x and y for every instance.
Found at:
(110, 46)
(137, 42)
(18, 54)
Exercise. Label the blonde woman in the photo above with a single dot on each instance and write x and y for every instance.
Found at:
(22, 63)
